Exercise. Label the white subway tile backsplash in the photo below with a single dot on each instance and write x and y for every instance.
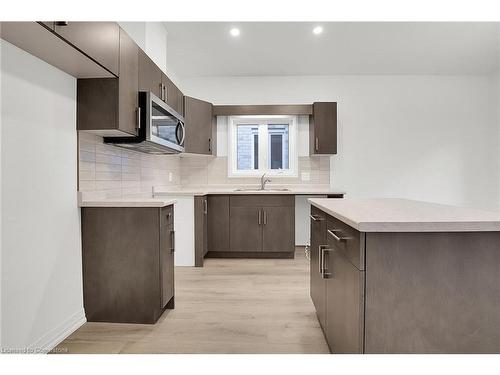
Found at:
(108, 171)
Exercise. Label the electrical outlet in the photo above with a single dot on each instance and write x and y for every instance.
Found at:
(305, 176)
(170, 177)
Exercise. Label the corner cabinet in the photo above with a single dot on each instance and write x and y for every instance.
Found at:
(323, 129)
(109, 106)
(200, 127)
(128, 263)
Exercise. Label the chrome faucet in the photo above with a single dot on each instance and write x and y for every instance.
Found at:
(263, 182)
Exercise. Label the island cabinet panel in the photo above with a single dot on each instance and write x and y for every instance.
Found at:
(344, 295)
(98, 40)
(128, 264)
(218, 223)
(317, 282)
(433, 292)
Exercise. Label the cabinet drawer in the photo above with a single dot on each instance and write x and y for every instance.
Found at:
(167, 216)
(348, 240)
(262, 201)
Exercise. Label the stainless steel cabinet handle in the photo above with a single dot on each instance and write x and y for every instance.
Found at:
(161, 91)
(259, 218)
(316, 218)
(164, 93)
(172, 239)
(317, 144)
(320, 259)
(205, 207)
(209, 144)
(335, 237)
(265, 217)
(138, 125)
(325, 274)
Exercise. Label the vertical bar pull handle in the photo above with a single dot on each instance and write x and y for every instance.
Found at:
(205, 207)
(259, 218)
(172, 239)
(265, 217)
(317, 144)
(138, 111)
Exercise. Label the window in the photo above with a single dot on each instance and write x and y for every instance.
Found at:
(262, 144)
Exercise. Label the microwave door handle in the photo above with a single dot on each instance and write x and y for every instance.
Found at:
(182, 126)
(177, 133)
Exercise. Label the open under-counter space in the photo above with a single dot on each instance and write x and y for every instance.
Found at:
(401, 276)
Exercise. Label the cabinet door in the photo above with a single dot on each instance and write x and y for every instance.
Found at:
(245, 229)
(174, 97)
(98, 40)
(198, 117)
(344, 303)
(278, 233)
(128, 84)
(167, 243)
(323, 129)
(218, 223)
(149, 75)
(317, 283)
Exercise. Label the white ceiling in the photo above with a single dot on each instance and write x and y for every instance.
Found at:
(290, 48)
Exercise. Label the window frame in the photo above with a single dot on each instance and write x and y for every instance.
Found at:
(262, 122)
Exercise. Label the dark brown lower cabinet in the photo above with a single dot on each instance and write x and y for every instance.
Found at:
(218, 223)
(418, 292)
(317, 282)
(344, 295)
(128, 263)
(200, 229)
(262, 225)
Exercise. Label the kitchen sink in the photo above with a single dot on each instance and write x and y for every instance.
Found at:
(261, 190)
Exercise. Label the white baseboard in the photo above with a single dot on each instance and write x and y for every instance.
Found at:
(56, 335)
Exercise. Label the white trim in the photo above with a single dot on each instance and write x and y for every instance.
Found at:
(56, 335)
(262, 122)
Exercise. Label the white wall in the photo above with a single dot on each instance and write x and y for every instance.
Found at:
(432, 138)
(41, 270)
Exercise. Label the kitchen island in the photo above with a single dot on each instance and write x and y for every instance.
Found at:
(401, 276)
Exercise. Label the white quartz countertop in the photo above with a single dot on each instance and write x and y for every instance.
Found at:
(403, 215)
(247, 191)
(128, 202)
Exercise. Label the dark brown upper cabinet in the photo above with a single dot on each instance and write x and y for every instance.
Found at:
(40, 40)
(200, 127)
(98, 40)
(323, 129)
(149, 75)
(172, 95)
(109, 106)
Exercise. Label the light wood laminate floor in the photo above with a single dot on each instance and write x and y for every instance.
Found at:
(228, 306)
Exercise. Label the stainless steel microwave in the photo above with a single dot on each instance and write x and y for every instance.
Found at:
(161, 130)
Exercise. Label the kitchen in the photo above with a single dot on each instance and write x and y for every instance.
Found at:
(210, 208)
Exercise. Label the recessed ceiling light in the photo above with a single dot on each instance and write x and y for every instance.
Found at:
(234, 31)
(318, 30)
